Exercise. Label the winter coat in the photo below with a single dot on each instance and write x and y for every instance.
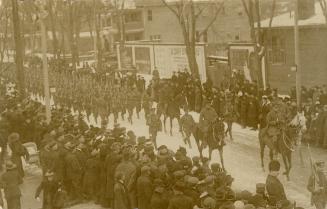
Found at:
(121, 200)
(144, 192)
(275, 190)
(158, 201)
(91, 176)
(10, 181)
(180, 201)
(50, 189)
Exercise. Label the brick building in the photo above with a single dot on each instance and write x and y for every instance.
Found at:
(313, 48)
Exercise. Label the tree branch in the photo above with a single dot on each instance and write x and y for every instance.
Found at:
(272, 13)
(221, 5)
(176, 12)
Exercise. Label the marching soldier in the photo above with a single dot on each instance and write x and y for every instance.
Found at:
(154, 123)
(187, 124)
(317, 185)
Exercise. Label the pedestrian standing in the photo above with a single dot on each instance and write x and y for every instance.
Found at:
(144, 188)
(18, 151)
(121, 200)
(10, 181)
(50, 188)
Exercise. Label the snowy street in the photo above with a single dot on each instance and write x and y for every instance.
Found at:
(242, 161)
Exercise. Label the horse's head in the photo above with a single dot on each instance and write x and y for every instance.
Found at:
(299, 121)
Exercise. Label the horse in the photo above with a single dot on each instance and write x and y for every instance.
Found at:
(286, 140)
(215, 139)
(173, 111)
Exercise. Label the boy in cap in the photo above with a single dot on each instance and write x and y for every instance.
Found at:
(275, 188)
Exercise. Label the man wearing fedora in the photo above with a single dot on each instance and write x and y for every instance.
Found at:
(10, 181)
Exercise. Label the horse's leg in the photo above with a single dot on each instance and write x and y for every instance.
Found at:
(289, 158)
(171, 126)
(286, 166)
(164, 122)
(262, 154)
(229, 128)
(180, 127)
(210, 152)
(221, 154)
(197, 142)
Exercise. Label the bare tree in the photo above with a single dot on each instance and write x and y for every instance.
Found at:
(4, 39)
(188, 14)
(252, 10)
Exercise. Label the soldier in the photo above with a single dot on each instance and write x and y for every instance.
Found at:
(187, 124)
(154, 123)
(317, 185)
(274, 123)
(264, 110)
(207, 116)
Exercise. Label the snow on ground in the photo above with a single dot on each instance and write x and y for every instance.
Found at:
(242, 159)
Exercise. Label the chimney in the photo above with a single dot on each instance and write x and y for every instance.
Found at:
(306, 9)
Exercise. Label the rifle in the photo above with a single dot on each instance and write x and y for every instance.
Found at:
(313, 170)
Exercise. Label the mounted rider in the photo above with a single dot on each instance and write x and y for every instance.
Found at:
(207, 116)
(276, 122)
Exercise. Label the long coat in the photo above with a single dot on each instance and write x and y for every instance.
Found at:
(180, 201)
(49, 189)
(121, 200)
(18, 151)
(144, 192)
(275, 190)
(158, 201)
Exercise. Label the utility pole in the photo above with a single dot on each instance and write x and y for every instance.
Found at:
(43, 14)
(19, 50)
(297, 54)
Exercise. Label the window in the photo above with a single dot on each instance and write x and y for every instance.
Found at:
(277, 50)
(149, 15)
(132, 17)
(155, 37)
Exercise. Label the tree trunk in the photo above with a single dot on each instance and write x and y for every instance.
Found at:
(55, 47)
(99, 65)
(19, 50)
(71, 35)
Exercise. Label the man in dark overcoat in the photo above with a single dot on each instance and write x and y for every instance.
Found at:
(144, 188)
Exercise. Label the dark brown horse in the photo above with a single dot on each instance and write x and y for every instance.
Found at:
(284, 146)
(214, 139)
(173, 111)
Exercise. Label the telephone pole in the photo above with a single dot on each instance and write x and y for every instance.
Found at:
(19, 50)
(297, 54)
